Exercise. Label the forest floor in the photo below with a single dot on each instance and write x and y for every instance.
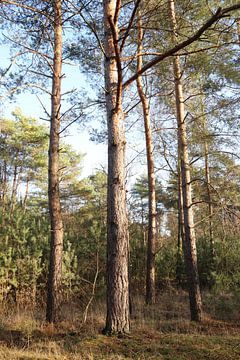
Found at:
(159, 332)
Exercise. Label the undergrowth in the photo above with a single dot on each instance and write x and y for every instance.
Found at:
(158, 332)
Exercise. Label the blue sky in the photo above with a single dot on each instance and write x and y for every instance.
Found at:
(96, 154)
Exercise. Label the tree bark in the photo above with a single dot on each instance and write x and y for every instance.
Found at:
(152, 213)
(190, 238)
(56, 247)
(117, 320)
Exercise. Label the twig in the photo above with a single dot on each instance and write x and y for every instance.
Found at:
(93, 289)
(129, 25)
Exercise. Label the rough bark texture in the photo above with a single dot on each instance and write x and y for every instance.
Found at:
(152, 214)
(190, 238)
(117, 320)
(54, 278)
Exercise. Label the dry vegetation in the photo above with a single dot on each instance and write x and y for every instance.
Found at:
(159, 332)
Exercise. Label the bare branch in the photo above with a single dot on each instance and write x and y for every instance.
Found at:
(40, 73)
(93, 288)
(95, 33)
(44, 56)
(44, 108)
(129, 24)
(67, 126)
(33, 9)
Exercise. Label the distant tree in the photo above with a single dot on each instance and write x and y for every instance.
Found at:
(185, 194)
(23, 144)
(45, 46)
(152, 210)
(24, 251)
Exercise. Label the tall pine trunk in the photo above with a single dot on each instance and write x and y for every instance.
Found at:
(117, 320)
(55, 265)
(190, 238)
(152, 222)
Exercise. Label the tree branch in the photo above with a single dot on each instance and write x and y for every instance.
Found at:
(117, 11)
(118, 61)
(33, 9)
(94, 33)
(220, 13)
(129, 24)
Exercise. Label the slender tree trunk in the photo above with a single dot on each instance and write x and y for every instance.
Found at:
(142, 224)
(209, 200)
(14, 182)
(14, 189)
(54, 277)
(152, 213)
(26, 194)
(238, 29)
(4, 191)
(1, 181)
(208, 186)
(17, 183)
(181, 233)
(117, 320)
(190, 238)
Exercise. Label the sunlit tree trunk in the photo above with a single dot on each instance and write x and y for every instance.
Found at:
(54, 277)
(152, 213)
(190, 238)
(117, 320)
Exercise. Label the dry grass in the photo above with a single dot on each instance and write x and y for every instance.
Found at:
(158, 332)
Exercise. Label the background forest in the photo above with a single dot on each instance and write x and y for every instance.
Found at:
(156, 233)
